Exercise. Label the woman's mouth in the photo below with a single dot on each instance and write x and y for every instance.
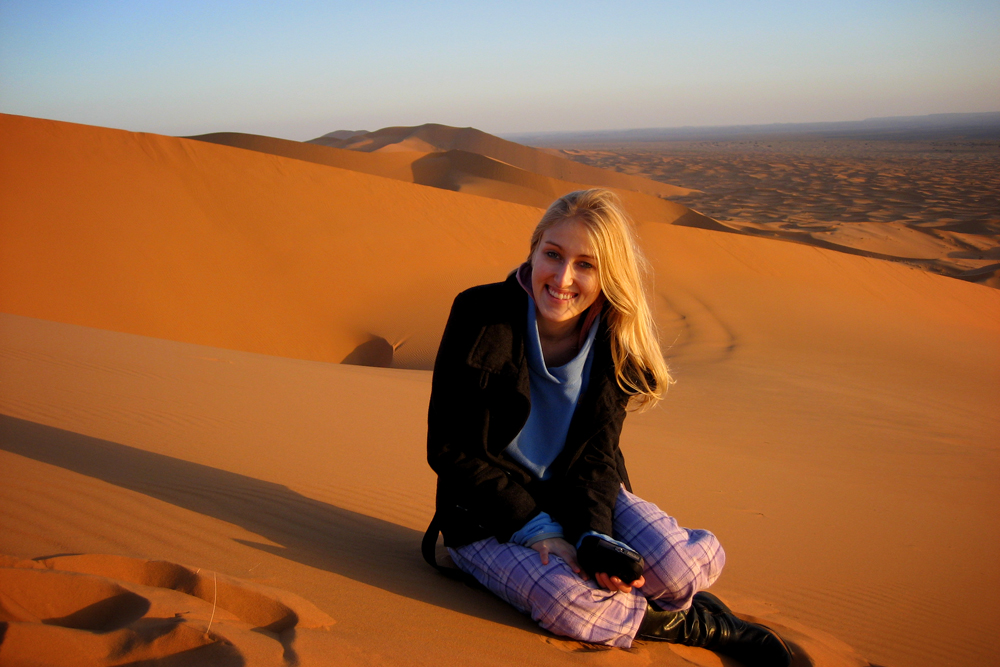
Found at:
(562, 296)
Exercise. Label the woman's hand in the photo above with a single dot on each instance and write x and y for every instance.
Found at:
(558, 547)
(616, 584)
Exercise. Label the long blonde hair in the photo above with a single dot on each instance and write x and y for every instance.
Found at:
(640, 369)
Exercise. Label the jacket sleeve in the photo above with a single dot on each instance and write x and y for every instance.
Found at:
(593, 483)
(457, 427)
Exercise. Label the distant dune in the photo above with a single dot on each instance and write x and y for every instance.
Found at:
(214, 374)
(477, 174)
(433, 138)
(342, 134)
(398, 166)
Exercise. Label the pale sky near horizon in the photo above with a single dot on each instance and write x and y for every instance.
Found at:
(298, 70)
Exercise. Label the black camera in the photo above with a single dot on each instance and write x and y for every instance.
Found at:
(598, 555)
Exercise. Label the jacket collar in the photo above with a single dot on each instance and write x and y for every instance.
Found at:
(500, 345)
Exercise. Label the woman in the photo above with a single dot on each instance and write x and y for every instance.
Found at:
(530, 389)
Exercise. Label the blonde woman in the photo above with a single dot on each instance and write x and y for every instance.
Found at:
(530, 389)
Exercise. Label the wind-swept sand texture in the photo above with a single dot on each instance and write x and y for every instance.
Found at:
(170, 395)
(932, 204)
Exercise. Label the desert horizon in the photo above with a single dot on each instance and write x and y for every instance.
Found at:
(216, 358)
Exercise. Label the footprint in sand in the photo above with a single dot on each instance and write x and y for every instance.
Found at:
(111, 610)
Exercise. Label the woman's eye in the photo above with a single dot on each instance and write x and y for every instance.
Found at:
(552, 254)
(586, 265)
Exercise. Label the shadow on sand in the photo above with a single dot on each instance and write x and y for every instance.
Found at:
(368, 550)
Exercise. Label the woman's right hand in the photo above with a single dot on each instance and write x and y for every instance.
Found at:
(559, 547)
(615, 584)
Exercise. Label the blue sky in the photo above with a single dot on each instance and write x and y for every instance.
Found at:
(300, 69)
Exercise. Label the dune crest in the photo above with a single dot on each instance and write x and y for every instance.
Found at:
(433, 137)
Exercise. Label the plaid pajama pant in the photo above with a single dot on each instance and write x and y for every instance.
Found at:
(679, 563)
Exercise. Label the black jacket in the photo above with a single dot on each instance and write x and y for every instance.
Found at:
(480, 399)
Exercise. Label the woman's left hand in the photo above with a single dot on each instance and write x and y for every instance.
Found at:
(557, 546)
(616, 584)
(560, 547)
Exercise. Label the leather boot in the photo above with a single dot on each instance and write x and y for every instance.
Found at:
(710, 624)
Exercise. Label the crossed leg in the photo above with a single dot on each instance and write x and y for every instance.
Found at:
(679, 563)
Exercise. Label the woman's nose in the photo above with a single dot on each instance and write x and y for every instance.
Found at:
(564, 275)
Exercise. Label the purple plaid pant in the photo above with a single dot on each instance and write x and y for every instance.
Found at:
(679, 563)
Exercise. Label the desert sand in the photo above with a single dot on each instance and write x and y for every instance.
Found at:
(932, 203)
(189, 472)
(531, 177)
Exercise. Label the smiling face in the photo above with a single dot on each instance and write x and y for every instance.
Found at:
(564, 278)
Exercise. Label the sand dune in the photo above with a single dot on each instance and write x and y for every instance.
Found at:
(398, 165)
(174, 315)
(189, 241)
(435, 138)
(468, 172)
(477, 174)
(237, 249)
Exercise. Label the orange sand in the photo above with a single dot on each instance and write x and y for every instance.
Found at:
(172, 405)
(433, 138)
(477, 173)
(933, 204)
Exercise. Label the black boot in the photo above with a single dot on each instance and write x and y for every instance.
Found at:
(712, 603)
(710, 624)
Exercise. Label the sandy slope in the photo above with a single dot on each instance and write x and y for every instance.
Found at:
(833, 423)
(473, 173)
(223, 242)
(191, 241)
